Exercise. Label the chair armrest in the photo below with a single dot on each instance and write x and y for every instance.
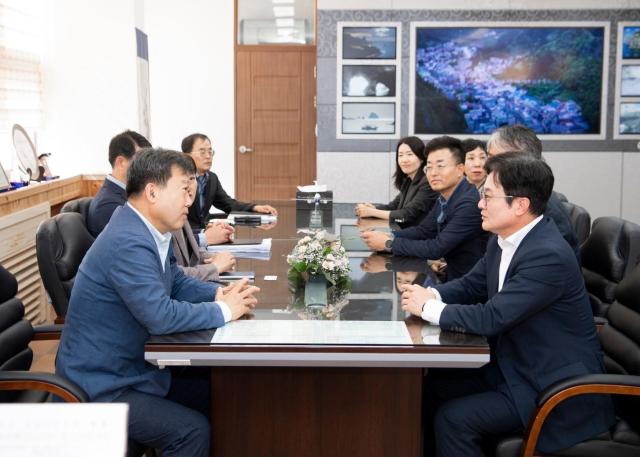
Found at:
(47, 332)
(571, 387)
(46, 382)
(600, 322)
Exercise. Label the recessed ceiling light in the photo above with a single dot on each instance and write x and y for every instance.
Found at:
(283, 11)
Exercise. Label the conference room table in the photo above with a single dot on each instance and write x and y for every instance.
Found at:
(343, 379)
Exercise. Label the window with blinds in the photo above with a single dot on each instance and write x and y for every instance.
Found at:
(21, 47)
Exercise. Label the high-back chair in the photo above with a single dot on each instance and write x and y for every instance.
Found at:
(17, 384)
(61, 243)
(580, 219)
(610, 252)
(620, 340)
(79, 205)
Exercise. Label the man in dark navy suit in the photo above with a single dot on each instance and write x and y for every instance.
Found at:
(113, 192)
(452, 229)
(528, 297)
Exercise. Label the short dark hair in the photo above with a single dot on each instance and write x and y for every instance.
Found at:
(446, 142)
(517, 138)
(522, 175)
(124, 144)
(140, 140)
(193, 168)
(417, 147)
(154, 166)
(187, 142)
(471, 144)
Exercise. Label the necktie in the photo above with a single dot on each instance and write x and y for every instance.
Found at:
(202, 181)
(441, 217)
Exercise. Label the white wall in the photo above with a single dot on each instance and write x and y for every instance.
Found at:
(191, 73)
(90, 79)
(90, 85)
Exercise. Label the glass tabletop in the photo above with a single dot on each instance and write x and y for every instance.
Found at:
(370, 298)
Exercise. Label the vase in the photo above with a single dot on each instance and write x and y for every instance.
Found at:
(315, 291)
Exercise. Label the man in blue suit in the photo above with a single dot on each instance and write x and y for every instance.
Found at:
(528, 297)
(452, 229)
(112, 194)
(128, 288)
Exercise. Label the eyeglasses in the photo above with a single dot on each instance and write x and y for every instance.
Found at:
(439, 167)
(486, 198)
(206, 152)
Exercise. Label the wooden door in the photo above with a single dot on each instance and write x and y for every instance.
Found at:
(275, 120)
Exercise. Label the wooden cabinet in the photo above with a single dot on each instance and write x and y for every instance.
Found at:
(21, 212)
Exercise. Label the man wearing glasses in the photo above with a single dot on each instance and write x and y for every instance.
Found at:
(453, 228)
(528, 297)
(210, 193)
(518, 138)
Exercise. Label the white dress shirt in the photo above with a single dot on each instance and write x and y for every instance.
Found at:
(433, 307)
(162, 244)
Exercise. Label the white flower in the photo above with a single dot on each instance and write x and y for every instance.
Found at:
(327, 265)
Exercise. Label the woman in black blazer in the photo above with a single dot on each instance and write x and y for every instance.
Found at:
(415, 198)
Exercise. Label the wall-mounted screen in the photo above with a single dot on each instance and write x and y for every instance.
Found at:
(369, 80)
(369, 43)
(629, 118)
(631, 43)
(472, 80)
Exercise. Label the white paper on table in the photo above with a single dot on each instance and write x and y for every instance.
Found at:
(63, 429)
(313, 332)
(262, 248)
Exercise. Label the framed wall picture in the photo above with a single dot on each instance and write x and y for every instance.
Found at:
(369, 118)
(368, 80)
(626, 122)
(469, 79)
(369, 42)
(630, 82)
(630, 41)
(4, 180)
(629, 119)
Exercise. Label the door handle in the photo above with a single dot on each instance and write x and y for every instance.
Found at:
(243, 149)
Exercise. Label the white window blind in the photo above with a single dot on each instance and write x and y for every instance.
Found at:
(21, 47)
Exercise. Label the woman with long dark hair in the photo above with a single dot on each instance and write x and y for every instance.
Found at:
(415, 198)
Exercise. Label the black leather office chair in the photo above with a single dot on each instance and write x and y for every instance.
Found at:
(610, 252)
(580, 219)
(61, 243)
(17, 384)
(621, 344)
(79, 205)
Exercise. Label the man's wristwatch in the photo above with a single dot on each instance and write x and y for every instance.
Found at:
(387, 245)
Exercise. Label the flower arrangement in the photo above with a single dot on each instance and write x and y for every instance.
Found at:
(320, 254)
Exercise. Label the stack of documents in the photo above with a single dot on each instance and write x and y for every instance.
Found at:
(250, 218)
(245, 251)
